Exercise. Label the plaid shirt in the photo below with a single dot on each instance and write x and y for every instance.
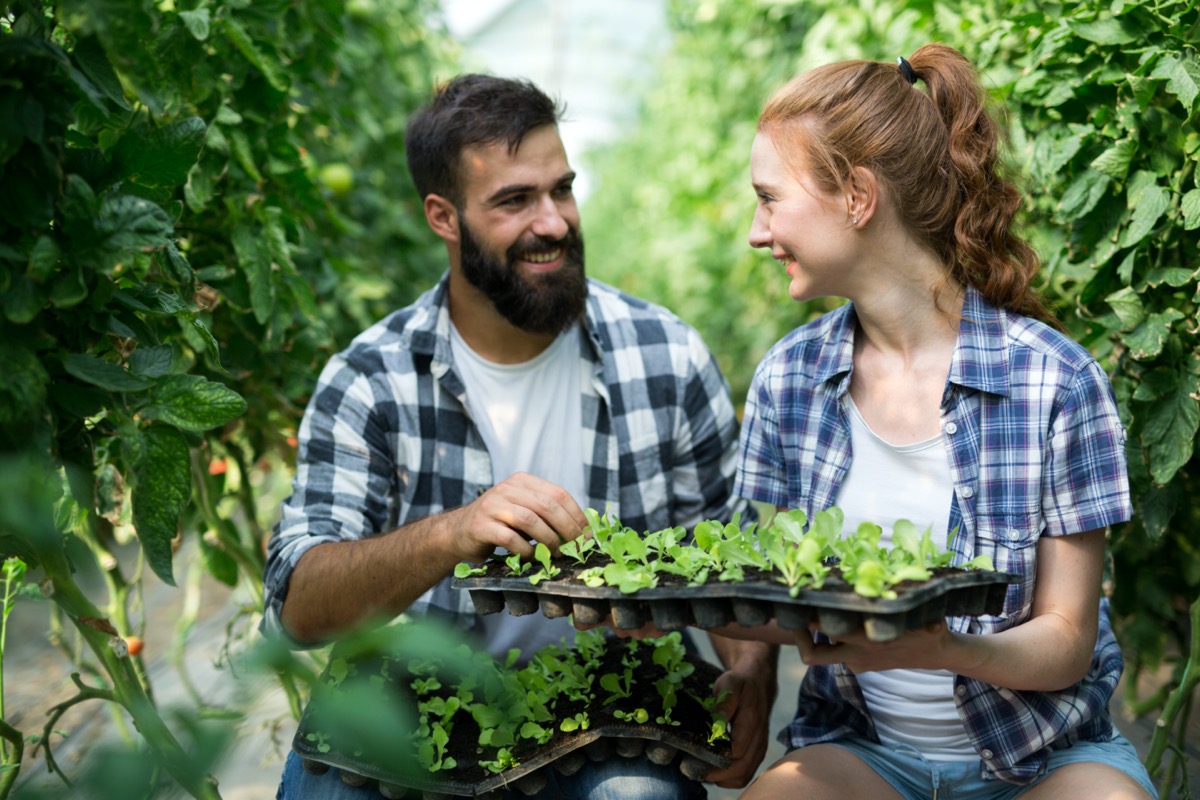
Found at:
(387, 438)
(1035, 447)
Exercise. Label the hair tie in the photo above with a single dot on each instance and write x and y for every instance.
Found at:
(906, 70)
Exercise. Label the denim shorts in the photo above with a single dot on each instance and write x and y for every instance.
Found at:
(917, 778)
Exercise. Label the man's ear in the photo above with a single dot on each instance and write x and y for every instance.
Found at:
(442, 216)
(862, 196)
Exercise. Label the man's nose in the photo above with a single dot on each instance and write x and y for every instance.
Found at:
(549, 221)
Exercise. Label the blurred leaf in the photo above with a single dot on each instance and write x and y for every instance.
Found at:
(160, 156)
(193, 403)
(162, 488)
(98, 372)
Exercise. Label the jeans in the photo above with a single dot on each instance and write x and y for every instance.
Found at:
(915, 778)
(614, 779)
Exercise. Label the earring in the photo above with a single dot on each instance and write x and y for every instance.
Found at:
(854, 220)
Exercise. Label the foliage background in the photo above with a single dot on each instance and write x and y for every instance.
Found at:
(202, 199)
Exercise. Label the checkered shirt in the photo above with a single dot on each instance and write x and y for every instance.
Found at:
(387, 439)
(1036, 448)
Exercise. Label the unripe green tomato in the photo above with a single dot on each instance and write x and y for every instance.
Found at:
(360, 9)
(337, 178)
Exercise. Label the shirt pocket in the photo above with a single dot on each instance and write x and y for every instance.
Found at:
(1010, 539)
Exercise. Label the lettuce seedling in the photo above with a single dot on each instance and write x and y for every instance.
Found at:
(579, 722)
(531, 730)
(504, 760)
(639, 715)
(580, 549)
(516, 565)
(541, 554)
(465, 570)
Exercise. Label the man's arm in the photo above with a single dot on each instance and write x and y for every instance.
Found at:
(751, 678)
(338, 585)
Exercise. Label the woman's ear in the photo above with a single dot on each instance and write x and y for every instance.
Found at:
(862, 196)
(442, 216)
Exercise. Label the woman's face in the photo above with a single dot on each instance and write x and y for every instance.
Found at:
(806, 228)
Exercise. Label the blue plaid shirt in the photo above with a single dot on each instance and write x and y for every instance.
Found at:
(1036, 449)
(387, 439)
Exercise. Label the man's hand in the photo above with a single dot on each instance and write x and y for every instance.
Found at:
(520, 508)
(751, 683)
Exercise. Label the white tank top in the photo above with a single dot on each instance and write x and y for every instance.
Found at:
(886, 483)
(530, 416)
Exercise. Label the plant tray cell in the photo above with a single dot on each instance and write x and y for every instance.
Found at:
(836, 608)
(567, 753)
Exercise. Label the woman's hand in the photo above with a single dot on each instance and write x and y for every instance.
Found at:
(922, 648)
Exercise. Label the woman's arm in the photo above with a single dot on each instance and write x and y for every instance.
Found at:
(1049, 652)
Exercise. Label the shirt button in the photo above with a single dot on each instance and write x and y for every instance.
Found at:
(960, 690)
(951, 428)
(967, 492)
(1014, 534)
(985, 754)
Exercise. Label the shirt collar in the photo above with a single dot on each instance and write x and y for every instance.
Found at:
(980, 359)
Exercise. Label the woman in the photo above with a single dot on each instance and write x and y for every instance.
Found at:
(940, 395)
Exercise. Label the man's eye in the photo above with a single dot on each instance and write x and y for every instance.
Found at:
(564, 191)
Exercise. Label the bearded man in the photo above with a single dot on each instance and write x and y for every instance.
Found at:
(489, 412)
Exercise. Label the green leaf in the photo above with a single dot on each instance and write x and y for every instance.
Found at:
(1127, 306)
(1170, 430)
(243, 154)
(98, 372)
(22, 301)
(258, 272)
(68, 289)
(1082, 195)
(1108, 31)
(219, 563)
(193, 403)
(1114, 162)
(1147, 339)
(160, 157)
(1153, 203)
(162, 489)
(1183, 79)
(125, 225)
(270, 68)
(151, 362)
(93, 61)
(43, 258)
(1191, 210)
(197, 22)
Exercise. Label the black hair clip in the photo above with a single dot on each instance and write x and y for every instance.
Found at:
(906, 70)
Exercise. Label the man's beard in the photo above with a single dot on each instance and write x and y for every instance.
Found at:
(543, 303)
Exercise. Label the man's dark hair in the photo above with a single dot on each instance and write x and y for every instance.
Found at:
(471, 110)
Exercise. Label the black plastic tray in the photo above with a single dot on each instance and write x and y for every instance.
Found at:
(837, 609)
(596, 744)
(606, 738)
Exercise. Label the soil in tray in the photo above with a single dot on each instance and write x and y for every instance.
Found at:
(570, 570)
(694, 720)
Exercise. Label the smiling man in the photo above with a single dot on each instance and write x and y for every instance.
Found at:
(490, 412)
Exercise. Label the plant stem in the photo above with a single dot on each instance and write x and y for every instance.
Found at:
(1164, 725)
(127, 690)
(9, 777)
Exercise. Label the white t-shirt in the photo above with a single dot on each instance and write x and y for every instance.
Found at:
(530, 417)
(886, 483)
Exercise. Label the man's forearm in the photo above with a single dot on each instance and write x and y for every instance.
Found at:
(338, 585)
(760, 658)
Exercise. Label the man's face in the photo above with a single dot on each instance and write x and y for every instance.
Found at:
(519, 240)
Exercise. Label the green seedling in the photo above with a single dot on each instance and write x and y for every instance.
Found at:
(619, 684)
(516, 565)
(531, 730)
(579, 722)
(639, 715)
(465, 570)
(580, 549)
(504, 760)
(541, 554)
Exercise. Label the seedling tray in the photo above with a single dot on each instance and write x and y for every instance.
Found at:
(836, 608)
(607, 737)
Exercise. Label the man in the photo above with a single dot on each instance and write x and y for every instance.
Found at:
(486, 414)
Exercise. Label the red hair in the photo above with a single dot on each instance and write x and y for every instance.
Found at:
(936, 153)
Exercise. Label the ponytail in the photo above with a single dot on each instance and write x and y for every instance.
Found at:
(935, 151)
